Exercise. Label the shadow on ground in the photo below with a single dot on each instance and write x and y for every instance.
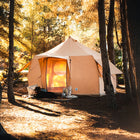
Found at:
(25, 104)
(124, 117)
(64, 136)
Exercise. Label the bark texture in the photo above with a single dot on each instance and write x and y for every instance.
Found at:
(124, 48)
(129, 51)
(108, 87)
(110, 27)
(11, 97)
(133, 11)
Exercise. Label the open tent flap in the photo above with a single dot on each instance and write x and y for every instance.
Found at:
(57, 74)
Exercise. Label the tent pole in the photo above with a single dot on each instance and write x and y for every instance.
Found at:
(70, 88)
(70, 69)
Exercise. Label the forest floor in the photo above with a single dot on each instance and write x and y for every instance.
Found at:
(84, 118)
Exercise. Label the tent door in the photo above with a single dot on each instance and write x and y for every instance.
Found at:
(56, 74)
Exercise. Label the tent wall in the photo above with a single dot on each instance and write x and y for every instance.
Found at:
(114, 81)
(101, 84)
(34, 74)
(84, 75)
(84, 78)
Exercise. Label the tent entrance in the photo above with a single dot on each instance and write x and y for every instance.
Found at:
(56, 74)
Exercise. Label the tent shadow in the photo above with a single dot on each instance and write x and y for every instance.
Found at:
(52, 113)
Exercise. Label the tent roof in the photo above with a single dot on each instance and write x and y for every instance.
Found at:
(72, 47)
(69, 47)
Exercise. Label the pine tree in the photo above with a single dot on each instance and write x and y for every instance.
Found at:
(125, 55)
(11, 97)
(108, 87)
(110, 26)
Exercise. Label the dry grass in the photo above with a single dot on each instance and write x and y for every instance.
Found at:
(84, 118)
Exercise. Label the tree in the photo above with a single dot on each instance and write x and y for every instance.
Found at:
(3, 25)
(129, 51)
(108, 87)
(43, 28)
(2, 130)
(133, 24)
(11, 97)
(110, 33)
(0, 92)
(125, 56)
(4, 29)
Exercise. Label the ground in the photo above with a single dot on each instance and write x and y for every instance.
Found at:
(84, 118)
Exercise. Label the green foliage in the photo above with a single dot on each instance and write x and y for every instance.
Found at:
(118, 58)
(4, 13)
(119, 64)
(43, 32)
(41, 25)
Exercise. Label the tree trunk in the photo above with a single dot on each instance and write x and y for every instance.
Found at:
(32, 39)
(2, 130)
(129, 51)
(108, 87)
(124, 48)
(44, 27)
(110, 33)
(0, 92)
(11, 97)
(133, 11)
(44, 42)
(4, 135)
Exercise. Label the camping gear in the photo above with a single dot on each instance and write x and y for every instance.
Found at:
(70, 64)
(31, 90)
(71, 96)
(67, 93)
(43, 94)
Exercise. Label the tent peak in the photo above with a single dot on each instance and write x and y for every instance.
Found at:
(72, 39)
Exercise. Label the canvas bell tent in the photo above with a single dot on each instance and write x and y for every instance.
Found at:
(70, 64)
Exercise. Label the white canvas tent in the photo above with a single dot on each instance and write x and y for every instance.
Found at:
(70, 64)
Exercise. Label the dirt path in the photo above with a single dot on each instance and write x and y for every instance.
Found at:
(85, 118)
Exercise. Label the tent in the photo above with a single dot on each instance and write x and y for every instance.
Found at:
(70, 64)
